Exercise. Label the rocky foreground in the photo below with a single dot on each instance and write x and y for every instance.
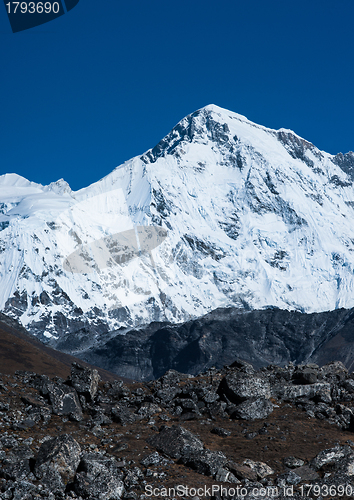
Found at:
(230, 433)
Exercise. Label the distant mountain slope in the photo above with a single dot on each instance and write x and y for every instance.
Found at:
(253, 217)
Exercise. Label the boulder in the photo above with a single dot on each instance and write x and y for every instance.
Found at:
(242, 471)
(152, 459)
(239, 386)
(262, 469)
(57, 461)
(24, 490)
(65, 401)
(123, 415)
(345, 416)
(166, 394)
(349, 385)
(99, 477)
(243, 366)
(307, 473)
(147, 410)
(320, 390)
(176, 441)
(217, 409)
(118, 390)
(205, 462)
(210, 397)
(133, 477)
(225, 476)
(85, 380)
(16, 465)
(335, 371)
(220, 431)
(41, 382)
(306, 374)
(36, 410)
(336, 457)
(293, 462)
(290, 477)
(253, 409)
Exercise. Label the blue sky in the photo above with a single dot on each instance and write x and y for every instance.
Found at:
(106, 81)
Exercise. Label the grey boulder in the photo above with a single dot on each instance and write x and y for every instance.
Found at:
(205, 462)
(253, 409)
(176, 441)
(239, 386)
(85, 380)
(65, 401)
(57, 461)
(99, 477)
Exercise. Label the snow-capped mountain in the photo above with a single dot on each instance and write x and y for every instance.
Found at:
(222, 212)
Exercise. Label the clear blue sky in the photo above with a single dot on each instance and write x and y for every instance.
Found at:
(106, 81)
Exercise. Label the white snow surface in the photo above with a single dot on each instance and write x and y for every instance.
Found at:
(255, 218)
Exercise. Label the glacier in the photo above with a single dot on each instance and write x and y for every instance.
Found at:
(255, 218)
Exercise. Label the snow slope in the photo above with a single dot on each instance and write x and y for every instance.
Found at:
(254, 218)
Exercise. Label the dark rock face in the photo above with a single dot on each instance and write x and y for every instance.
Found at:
(57, 461)
(345, 162)
(259, 337)
(296, 146)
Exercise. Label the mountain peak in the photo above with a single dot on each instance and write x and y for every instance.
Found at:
(253, 217)
(224, 113)
(226, 128)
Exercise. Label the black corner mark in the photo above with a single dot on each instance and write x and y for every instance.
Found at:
(70, 4)
(27, 14)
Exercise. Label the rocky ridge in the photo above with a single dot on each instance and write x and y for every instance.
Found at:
(259, 337)
(227, 433)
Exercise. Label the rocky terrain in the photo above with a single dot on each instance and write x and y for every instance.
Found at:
(235, 432)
